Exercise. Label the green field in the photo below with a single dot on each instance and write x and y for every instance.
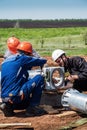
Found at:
(45, 40)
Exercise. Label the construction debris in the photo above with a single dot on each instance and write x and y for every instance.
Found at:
(75, 124)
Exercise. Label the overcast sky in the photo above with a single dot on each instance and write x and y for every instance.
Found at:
(43, 9)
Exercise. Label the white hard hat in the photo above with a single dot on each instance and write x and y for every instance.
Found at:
(57, 53)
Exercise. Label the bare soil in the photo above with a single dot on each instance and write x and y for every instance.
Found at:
(53, 121)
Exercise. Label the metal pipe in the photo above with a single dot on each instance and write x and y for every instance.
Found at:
(75, 100)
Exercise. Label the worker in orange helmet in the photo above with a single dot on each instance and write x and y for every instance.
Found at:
(12, 44)
(25, 47)
(17, 86)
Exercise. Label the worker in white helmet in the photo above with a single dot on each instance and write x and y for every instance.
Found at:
(76, 66)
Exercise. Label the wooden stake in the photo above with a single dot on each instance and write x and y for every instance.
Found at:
(14, 124)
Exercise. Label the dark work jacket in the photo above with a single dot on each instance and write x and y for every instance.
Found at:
(78, 66)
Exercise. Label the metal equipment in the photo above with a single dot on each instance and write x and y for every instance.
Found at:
(75, 100)
(54, 76)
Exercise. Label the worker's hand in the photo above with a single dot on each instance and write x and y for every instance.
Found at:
(72, 78)
(69, 85)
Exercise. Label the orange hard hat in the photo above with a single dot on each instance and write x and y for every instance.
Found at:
(25, 46)
(12, 44)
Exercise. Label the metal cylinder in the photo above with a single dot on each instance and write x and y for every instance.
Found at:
(75, 100)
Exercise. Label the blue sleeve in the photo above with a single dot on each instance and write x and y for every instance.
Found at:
(32, 61)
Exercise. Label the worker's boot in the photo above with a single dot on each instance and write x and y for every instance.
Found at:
(35, 111)
(7, 110)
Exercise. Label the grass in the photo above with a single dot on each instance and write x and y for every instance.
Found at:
(45, 40)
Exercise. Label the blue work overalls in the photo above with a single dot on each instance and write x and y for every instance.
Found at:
(17, 87)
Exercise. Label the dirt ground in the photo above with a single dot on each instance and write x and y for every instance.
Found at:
(45, 122)
(50, 121)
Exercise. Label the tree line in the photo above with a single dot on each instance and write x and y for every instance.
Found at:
(29, 23)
